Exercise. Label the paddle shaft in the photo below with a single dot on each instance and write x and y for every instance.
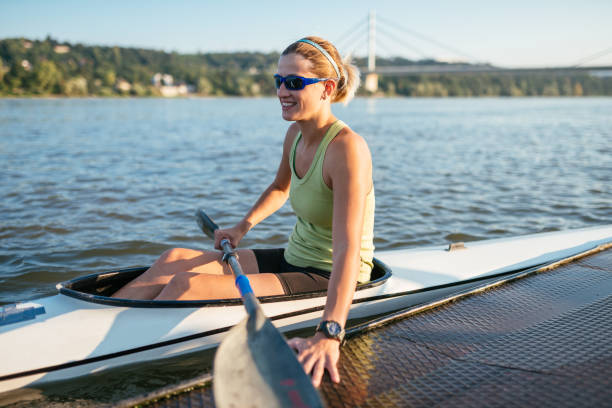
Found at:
(209, 227)
(242, 282)
(254, 365)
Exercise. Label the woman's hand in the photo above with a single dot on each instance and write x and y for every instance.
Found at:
(234, 234)
(317, 354)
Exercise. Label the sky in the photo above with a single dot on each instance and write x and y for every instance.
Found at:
(535, 33)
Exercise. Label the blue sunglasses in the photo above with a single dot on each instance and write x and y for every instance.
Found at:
(294, 82)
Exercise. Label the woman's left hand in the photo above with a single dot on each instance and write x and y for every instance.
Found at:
(317, 354)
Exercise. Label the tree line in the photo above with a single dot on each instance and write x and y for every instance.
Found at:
(497, 84)
(49, 67)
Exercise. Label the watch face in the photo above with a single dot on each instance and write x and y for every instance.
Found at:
(333, 328)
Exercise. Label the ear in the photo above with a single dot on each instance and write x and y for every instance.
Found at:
(330, 87)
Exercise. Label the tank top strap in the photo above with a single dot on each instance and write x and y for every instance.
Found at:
(317, 161)
(332, 132)
(292, 151)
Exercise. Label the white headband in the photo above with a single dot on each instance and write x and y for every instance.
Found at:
(318, 47)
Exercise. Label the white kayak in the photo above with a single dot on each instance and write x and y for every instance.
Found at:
(81, 330)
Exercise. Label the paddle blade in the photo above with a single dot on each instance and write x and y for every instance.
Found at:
(254, 367)
(207, 225)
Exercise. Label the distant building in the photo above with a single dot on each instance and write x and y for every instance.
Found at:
(162, 79)
(167, 88)
(27, 44)
(61, 49)
(26, 65)
(176, 90)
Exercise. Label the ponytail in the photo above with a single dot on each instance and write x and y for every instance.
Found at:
(348, 83)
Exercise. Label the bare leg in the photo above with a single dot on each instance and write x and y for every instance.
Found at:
(179, 260)
(201, 286)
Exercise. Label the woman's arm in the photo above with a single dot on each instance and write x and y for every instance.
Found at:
(351, 180)
(270, 200)
(347, 170)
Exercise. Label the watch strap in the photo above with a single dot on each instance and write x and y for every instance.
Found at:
(322, 327)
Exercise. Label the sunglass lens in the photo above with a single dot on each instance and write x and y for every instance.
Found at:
(278, 80)
(294, 83)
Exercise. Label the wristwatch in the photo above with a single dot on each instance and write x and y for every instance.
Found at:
(331, 329)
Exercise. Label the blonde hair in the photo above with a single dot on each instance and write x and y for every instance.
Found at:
(322, 67)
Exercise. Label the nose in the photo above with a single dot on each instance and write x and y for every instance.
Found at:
(282, 90)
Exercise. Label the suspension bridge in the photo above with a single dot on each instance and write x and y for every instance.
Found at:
(418, 61)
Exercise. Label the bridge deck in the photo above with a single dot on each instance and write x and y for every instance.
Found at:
(418, 69)
(542, 340)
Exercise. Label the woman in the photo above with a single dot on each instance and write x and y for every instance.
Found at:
(326, 171)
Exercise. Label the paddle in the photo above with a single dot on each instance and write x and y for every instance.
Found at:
(253, 365)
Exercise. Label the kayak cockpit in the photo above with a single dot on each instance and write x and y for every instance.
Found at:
(98, 288)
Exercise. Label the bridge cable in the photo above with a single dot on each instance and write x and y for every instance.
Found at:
(403, 42)
(428, 39)
(389, 52)
(592, 57)
(343, 39)
(353, 43)
(356, 44)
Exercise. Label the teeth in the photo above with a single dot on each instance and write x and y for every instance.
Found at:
(287, 103)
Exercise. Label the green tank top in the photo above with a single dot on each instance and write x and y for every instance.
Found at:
(310, 243)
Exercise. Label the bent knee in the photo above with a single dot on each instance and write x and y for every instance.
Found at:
(174, 254)
(184, 254)
(179, 281)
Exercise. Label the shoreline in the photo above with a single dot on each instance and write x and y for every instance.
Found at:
(60, 97)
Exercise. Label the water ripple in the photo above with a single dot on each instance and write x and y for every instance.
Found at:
(91, 185)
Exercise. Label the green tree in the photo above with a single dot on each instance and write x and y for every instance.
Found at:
(116, 56)
(578, 89)
(17, 78)
(550, 89)
(204, 86)
(3, 70)
(565, 87)
(109, 78)
(139, 89)
(76, 86)
(47, 77)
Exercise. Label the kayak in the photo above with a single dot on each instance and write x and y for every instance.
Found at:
(81, 330)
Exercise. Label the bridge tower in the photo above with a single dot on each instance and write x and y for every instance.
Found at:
(371, 79)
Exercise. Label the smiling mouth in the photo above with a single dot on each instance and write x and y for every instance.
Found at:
(288, 105)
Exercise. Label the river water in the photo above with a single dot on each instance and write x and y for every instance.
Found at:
(91, 185)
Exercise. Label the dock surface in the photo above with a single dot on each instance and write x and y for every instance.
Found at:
(541, 340)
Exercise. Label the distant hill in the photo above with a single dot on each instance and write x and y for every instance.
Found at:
(50, 67)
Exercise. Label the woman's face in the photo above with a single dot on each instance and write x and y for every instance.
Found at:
(305, 103)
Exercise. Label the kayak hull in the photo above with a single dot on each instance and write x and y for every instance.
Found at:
(82, 334)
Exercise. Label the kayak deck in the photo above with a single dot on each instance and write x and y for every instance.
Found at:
(542, 340)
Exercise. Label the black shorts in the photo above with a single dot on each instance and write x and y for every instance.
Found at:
(294, 279)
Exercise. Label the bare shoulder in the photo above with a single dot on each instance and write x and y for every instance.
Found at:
(290, 136)
(348, 160)
(292, 133)
(348, 144)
